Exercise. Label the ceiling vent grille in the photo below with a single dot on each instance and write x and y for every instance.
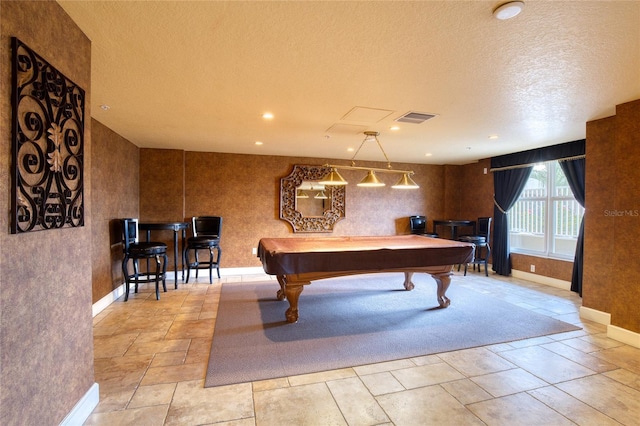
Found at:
(415, 117)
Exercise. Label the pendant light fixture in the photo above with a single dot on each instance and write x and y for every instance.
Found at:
(370, 180)
(405, 182)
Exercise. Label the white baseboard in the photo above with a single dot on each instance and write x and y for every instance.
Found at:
(595, 315)
(614, 332)
(83, 408)
(101, 304)
(623, 335)
(541, 279)
(249, 270)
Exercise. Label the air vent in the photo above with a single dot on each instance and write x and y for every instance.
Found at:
(415, 117)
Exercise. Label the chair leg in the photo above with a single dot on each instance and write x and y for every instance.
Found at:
(218, 260)
(210, 265)
(486, 260)
(188, 263)
(164, 272)
(465, 269)
(158, 277)
(195, 254)
(135, 274)
(125, 274)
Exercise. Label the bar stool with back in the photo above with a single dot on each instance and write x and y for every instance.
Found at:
(481, 241)
(134, 250)
(206, 236)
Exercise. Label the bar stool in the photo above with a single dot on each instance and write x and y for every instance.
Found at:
(482, 248)
(206, 236)
(134, 250)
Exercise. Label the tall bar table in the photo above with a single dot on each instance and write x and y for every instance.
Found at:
(169, 226)
(454, 225)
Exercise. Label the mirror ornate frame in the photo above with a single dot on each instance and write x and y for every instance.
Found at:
(289, 212)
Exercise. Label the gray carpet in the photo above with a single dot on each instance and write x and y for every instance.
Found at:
(355, 320)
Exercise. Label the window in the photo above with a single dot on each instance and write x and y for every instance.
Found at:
(545, 220)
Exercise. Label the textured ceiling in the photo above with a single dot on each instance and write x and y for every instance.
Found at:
(197, 75)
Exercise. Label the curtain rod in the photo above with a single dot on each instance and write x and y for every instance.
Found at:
(521, 166)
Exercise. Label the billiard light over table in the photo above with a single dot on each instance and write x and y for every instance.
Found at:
(370, 180)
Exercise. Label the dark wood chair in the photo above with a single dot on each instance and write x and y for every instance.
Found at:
(134, 250)
(481, 241)
(418, 226)
(206, 236)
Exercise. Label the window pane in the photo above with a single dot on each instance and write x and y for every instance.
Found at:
(568, 215)
(537, 183)
(527, 225)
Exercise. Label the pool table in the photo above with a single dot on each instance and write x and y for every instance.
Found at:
(297, 261)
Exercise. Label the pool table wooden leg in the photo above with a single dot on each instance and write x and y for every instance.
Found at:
(443, 280)
(408, 284)
(282, 280)
(291, 292)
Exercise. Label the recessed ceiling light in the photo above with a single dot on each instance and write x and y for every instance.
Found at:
(349, 149)
(493, 136)
(508, 10)
(267, 116)
(394, 128)
(428, 154)
(258, 142)
(105, 107)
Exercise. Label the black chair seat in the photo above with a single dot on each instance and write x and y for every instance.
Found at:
(150, 249)
(203, 242)
(474, 239)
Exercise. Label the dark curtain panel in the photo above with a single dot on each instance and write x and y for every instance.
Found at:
(507, 186)
(574, 170)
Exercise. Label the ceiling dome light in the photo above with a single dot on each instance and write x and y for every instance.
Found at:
(508, 10)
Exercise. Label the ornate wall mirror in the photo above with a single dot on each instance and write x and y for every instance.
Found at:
(307, 205)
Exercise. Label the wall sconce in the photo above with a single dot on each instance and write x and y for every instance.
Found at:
(370, 180)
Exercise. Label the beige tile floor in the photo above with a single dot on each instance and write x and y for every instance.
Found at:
(151, 356)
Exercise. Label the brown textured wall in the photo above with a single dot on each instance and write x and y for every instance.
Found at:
(161, 185)
(612, 224)
(244, 190)
(162, 188)
(454, 185)
(115, 189)
(553, 268)
(468, 194)
(45, 285)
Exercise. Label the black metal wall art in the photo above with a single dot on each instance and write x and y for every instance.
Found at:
(48, 145)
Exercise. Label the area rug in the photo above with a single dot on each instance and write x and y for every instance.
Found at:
(356, 320)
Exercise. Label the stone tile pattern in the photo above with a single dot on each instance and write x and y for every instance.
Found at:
(151, 358)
